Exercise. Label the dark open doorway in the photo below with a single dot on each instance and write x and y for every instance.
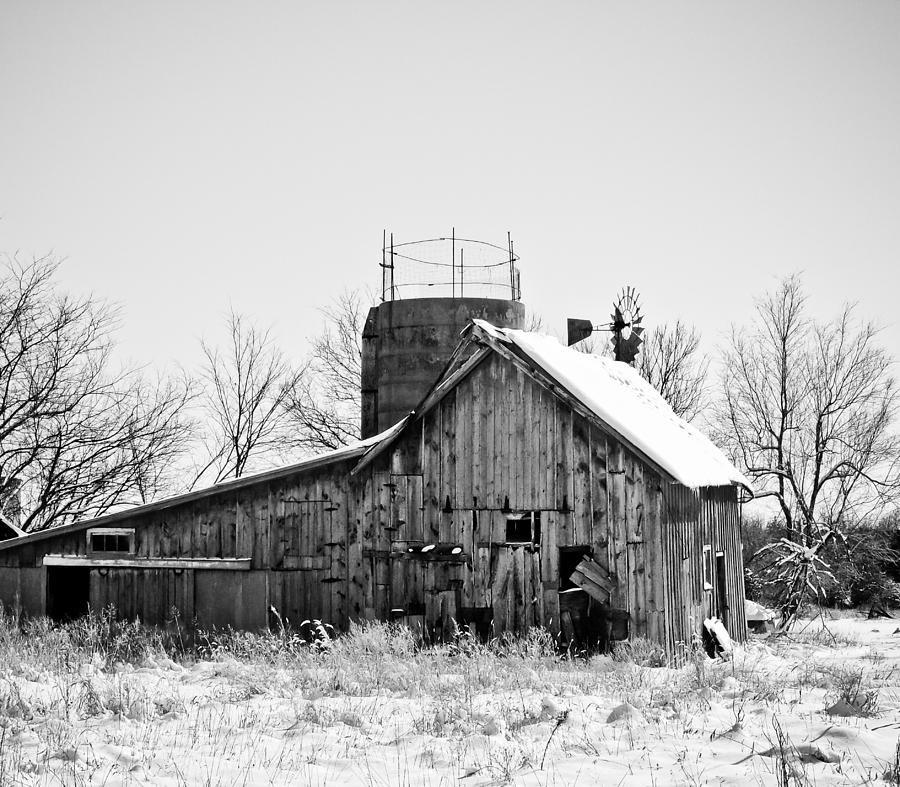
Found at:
(68, 592)
(721, 589)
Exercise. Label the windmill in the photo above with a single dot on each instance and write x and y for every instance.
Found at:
(625, 326)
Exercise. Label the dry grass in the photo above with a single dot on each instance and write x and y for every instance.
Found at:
(99, 699)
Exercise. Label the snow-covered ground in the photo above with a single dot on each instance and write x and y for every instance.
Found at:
(375, 711)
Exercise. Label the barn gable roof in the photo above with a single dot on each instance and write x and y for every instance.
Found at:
(622, 399)
(610, 392)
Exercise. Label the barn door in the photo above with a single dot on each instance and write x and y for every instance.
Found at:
(515, 588)
(408, 591)
(155, 595)
(68, 592)
(230, 598)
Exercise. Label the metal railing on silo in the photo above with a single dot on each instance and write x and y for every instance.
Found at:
(449, 268)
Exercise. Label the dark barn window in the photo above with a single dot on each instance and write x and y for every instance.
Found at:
(524, 528)
(120, 542)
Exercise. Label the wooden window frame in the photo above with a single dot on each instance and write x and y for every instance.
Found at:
(110, 531)
(707, 568)
(518, 517)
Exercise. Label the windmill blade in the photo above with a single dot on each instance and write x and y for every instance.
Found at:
(627, 343)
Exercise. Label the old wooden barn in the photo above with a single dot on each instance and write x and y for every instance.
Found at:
(532, 485)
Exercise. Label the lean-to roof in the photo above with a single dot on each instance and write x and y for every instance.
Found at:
(352, 451)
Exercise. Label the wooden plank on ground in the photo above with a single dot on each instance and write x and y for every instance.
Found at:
(595, 572)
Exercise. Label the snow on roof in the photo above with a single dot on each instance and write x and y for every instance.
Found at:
(620, 397)
(349, 450)
(354, 449)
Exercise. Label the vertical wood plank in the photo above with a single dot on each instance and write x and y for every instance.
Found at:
(431, 468)
(654, 586)
(501, 439)
(399, 508)
(509, 416)
(500, 588)
(599, 499)
(519, 456)
(637, 570)
(548, 408)
(617, 526)
(549, 571)
(381, 496)
(462, 497)
(482, 577)
(477, 448)
(489, 427)
(539, 434)
(518, 599)
(448, 449)
(527, 454)
(415, 509)
(355, 570)
(581, 463)
(564, 474)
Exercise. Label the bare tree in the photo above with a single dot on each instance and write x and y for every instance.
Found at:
(534, 322)
(78, 438)
(671, 361)
(248, 385)
(808, 409)
(325, 404)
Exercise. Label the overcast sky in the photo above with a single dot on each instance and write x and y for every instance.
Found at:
(182, 156)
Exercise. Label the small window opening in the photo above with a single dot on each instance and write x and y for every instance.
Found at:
(524, 528)
(707, 567)
(111, 541)
(569, 558)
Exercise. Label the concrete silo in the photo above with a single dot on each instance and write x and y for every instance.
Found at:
(431, 290)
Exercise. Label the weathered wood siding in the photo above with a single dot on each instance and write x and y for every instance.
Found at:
(693, 519)
(419, 535)
(501, 442)
(294, 530)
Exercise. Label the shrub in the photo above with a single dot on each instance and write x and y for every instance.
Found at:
(853, 691)
(640, 651)
(863, 569)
